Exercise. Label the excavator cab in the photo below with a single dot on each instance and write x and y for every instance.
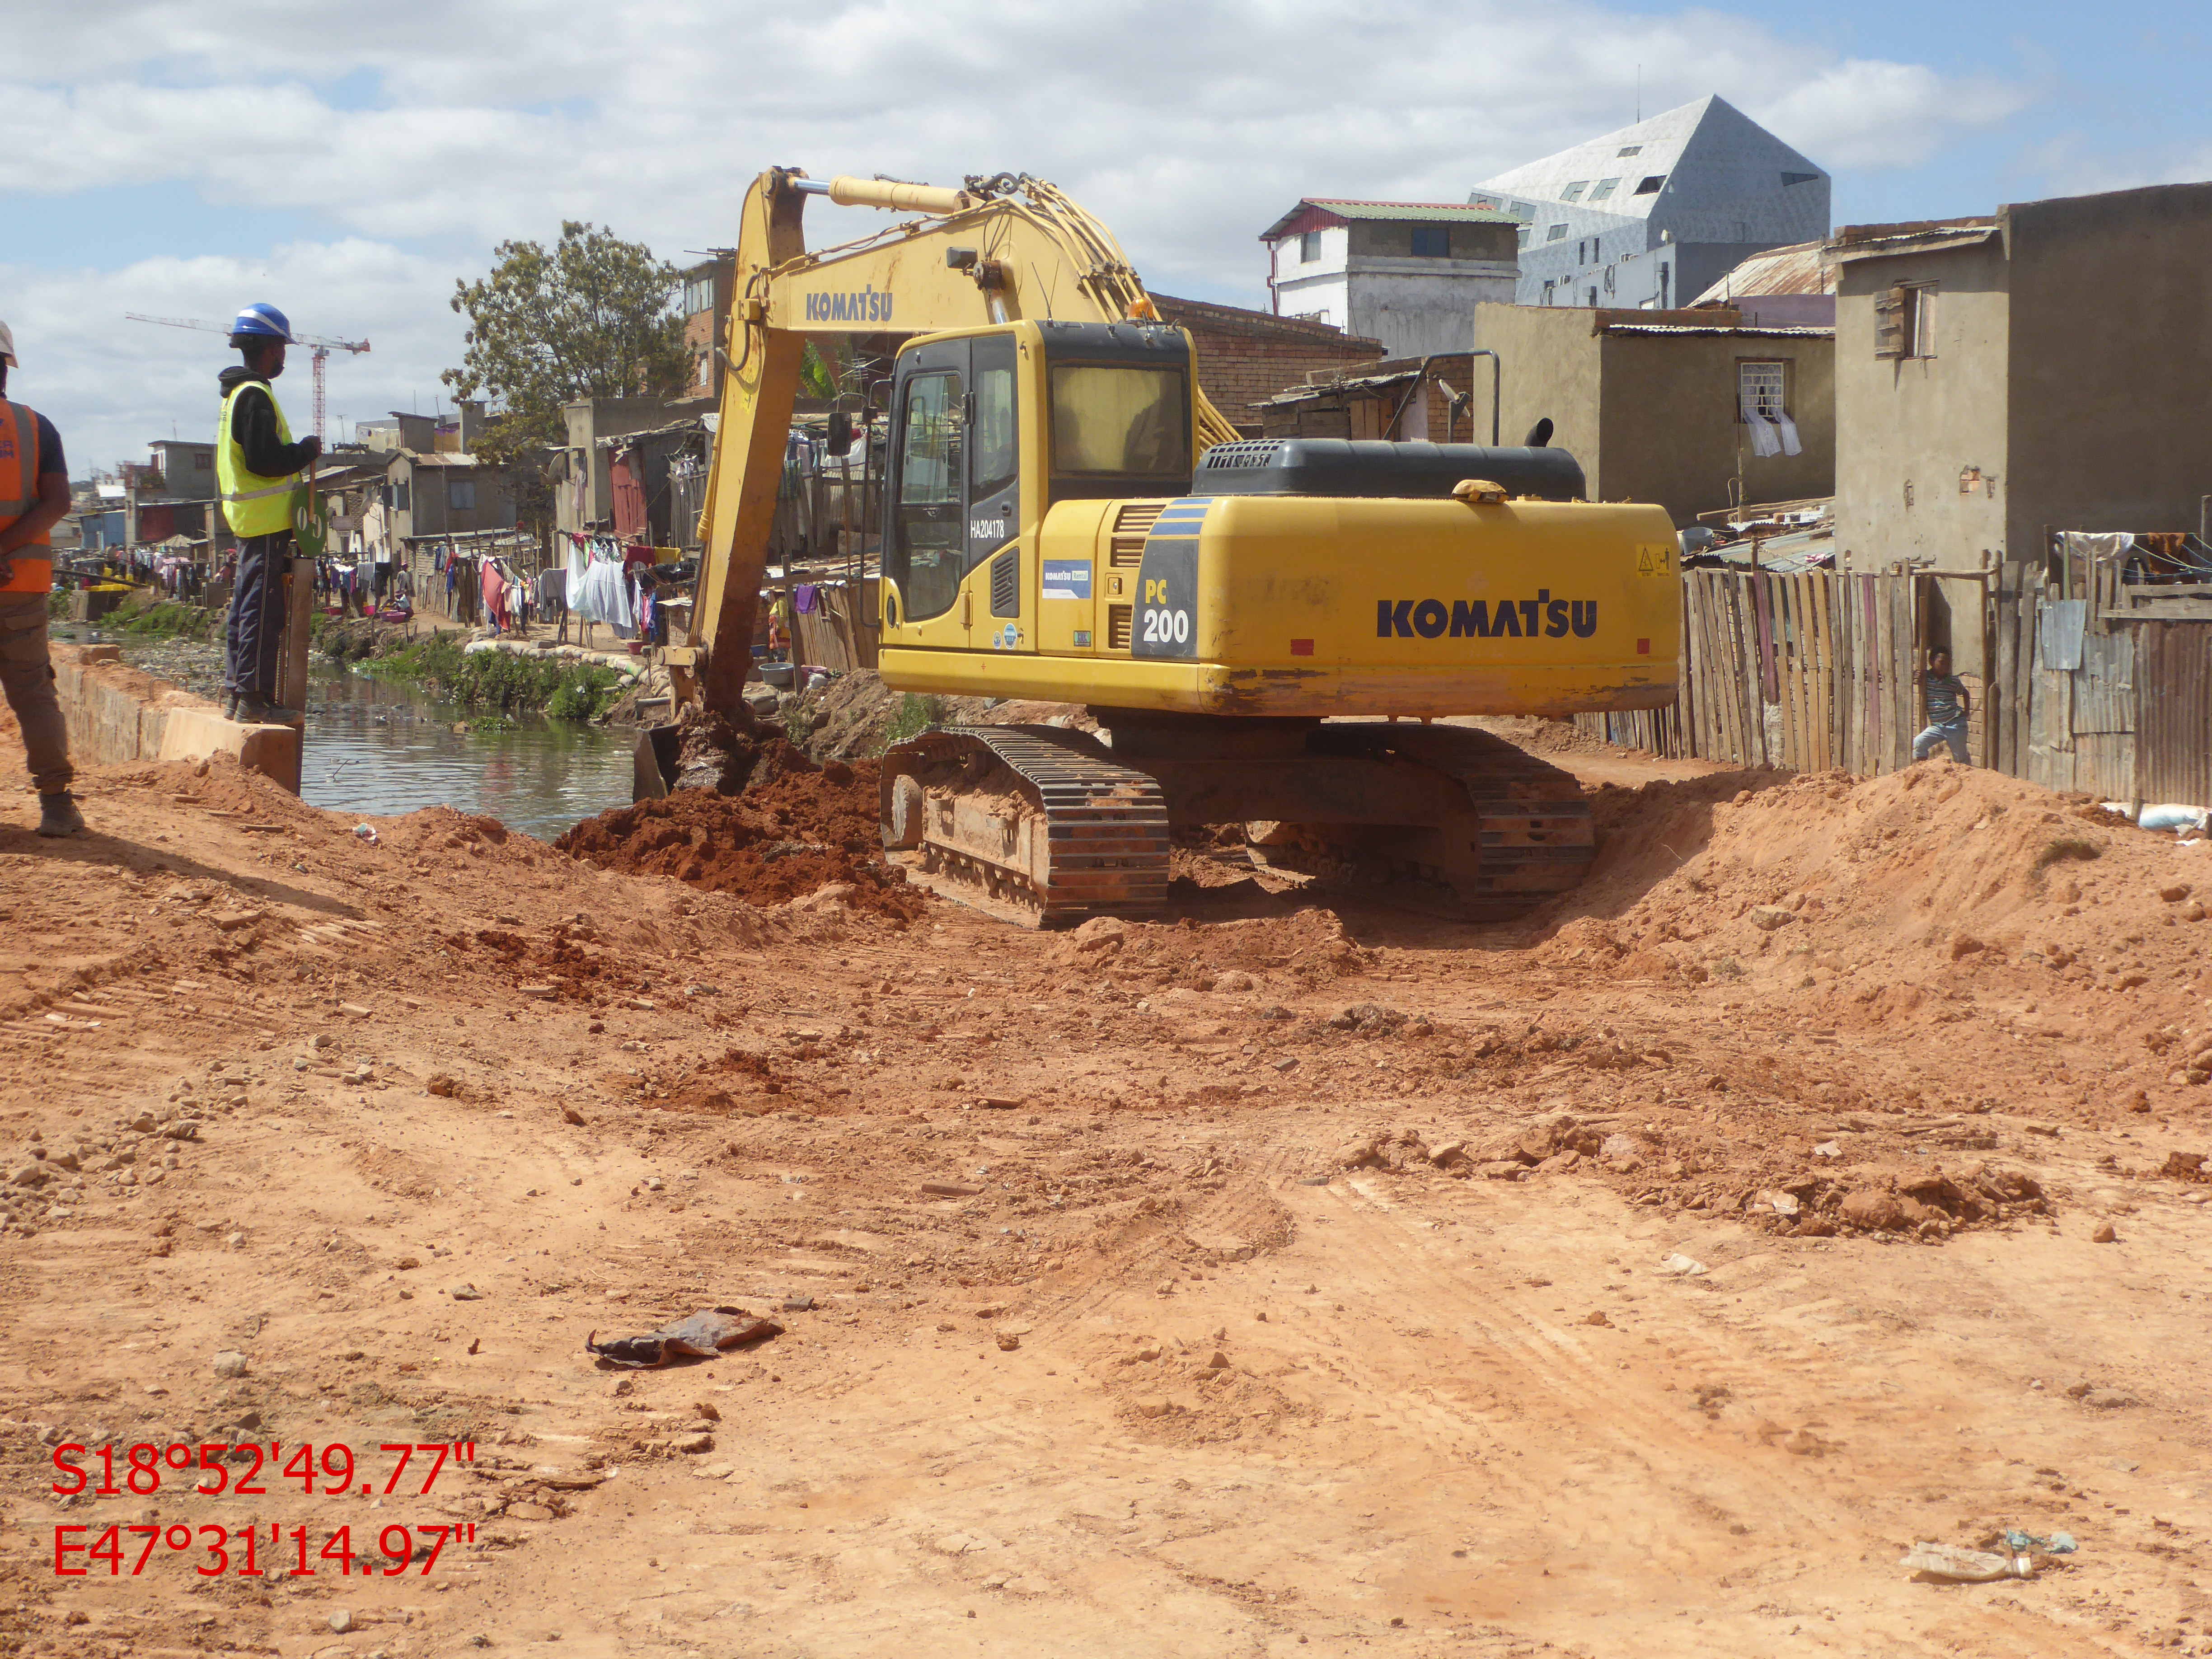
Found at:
(990, 428)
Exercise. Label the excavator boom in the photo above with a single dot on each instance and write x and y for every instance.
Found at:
(1001, 249)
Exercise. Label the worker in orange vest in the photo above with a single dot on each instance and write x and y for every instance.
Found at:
(34, 496)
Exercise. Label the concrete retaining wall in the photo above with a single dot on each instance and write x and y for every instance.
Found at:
(117, 715)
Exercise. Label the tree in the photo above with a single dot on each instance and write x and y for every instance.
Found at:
(591, 317)
(817, 376)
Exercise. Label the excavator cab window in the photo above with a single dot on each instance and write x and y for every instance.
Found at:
(955, 479)
(996, 453)
(1121, 421)
(930, 540)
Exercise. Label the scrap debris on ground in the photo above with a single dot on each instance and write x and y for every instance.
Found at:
(1821, 1185)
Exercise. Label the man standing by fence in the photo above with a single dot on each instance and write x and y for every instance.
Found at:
(1949, 706)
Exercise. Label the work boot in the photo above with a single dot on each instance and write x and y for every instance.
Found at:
(230, 705)
(254, 709)
(57, 815)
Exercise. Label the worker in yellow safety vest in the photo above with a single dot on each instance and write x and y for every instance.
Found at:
(34, 496)
(259, 470)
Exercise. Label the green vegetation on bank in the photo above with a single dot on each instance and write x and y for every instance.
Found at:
(915, 716)
(163, 619)
(493, 681)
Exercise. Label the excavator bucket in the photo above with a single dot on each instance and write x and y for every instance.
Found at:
(654, 762)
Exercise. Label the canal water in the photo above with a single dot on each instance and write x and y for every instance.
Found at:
(376, 748)
(373, 748)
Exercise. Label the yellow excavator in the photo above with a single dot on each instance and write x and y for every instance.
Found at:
(1264, 629)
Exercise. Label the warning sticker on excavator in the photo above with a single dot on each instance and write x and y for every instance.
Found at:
(1654, 559)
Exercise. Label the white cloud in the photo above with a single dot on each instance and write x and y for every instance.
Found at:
(112, 386)
(2072, 164)
(1859, 114)
(444, 129)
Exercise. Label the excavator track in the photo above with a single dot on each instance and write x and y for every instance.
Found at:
(1447, 820)
(1033, 825)
(1514, 829)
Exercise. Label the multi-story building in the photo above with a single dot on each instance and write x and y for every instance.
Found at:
(706, 303)
(1650, 215)
(1406, 274)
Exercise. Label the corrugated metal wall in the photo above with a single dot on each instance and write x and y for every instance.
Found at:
(1817, 670)
(2174, 711)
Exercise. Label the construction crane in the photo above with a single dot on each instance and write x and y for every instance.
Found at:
(322, 348)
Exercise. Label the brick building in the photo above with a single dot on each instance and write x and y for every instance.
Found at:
(706, 303)
(1246, 357)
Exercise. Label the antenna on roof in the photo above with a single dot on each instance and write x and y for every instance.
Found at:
(1639, 93)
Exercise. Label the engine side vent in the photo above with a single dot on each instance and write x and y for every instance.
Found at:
(1007, 583)
(1244, 454)
(1120, 625)
(1125, 551)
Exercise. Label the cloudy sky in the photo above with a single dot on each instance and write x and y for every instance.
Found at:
(350, 163)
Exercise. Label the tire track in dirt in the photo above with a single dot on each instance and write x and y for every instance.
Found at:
(1548, 1381)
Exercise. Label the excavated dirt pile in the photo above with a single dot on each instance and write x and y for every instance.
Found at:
(1943, 911)
(853, 718)
(732, 753)
(1859, 889)
(788, 838)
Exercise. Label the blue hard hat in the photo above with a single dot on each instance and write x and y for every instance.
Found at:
(263, 320)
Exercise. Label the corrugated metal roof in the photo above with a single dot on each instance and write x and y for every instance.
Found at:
(1806, 332)
(1782, 555)
(1880, 241)
(1349, 383)
(1801, 268)
(1449, 212)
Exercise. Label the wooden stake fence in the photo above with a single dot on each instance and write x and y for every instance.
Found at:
(2081, 685)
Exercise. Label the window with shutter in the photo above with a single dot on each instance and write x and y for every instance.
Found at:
(1889, 323)
(1920, 331)
(1905, 321)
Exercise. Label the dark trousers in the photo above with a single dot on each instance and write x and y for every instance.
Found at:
(27, 676)
(253, 637)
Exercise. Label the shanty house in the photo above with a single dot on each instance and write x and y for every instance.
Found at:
(1782, 288)
(1692, 410)
(425, 496)
(1244, 357)
(1993, 381)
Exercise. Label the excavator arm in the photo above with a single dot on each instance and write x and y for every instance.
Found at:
(998, 249)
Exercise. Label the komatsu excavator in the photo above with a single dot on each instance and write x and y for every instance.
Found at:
(1264, 629)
